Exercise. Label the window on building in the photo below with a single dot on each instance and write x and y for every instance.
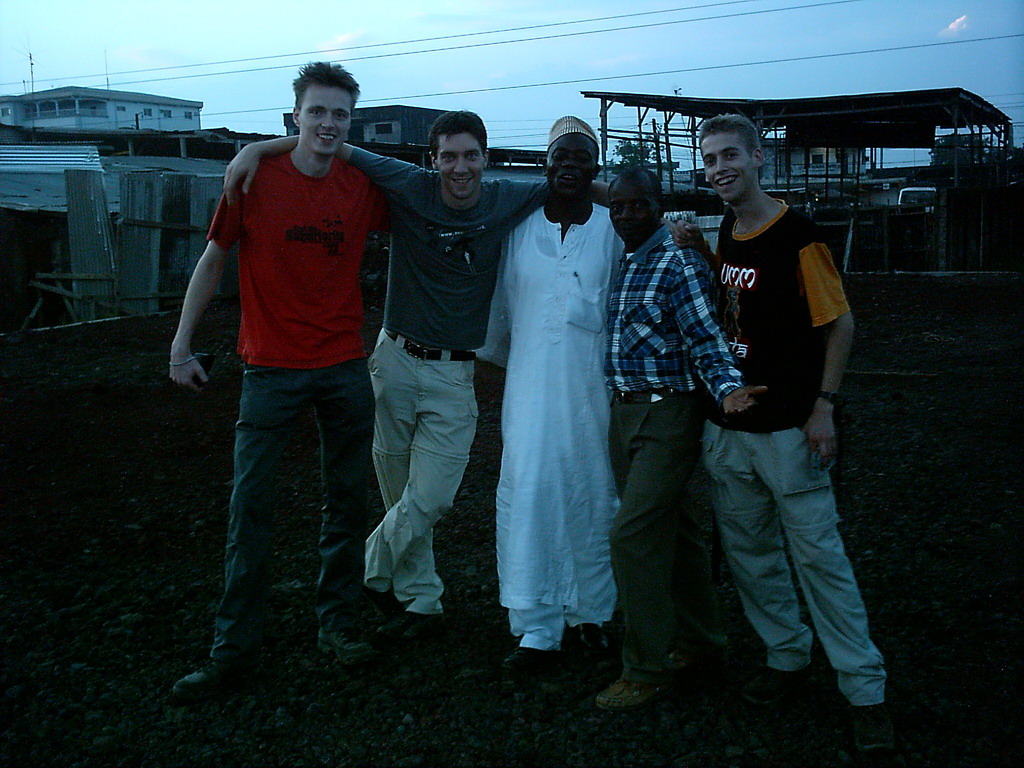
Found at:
(121, 108)
(5, 111)
(165, 113)
(147, 112)
(92, 107)
(188, 115)
(47, 108)
(384, 129)
(817, 159)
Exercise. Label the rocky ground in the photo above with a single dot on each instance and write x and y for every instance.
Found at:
(114, 504)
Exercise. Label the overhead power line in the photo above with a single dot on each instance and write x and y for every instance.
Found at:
(467, 46)
(397, 42)
(687, 70)
(708, 68)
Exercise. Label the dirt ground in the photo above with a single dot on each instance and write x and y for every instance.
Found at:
(114, 496)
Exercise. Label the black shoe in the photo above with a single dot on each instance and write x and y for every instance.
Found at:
(210, 680)
(530, 660)
(589, 637)
(872, 729)
(346, 647)
(411, 626)
(773, 685)
(386, 603)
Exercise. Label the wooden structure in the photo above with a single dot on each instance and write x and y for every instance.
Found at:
(819, 151)
(849, 126)
(133, 263)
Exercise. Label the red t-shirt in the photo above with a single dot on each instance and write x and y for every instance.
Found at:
(300, 242)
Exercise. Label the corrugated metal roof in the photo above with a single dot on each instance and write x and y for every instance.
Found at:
(45, 191)
(48, 158)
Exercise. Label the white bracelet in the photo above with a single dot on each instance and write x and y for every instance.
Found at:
(188, 359)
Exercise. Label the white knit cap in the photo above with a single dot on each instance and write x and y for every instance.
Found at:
(570, 124)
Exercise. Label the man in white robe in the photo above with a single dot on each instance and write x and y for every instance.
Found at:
(556, 496)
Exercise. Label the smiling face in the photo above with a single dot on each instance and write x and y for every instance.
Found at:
(323, 119)
(460, 161)
(731, 167)
(634, 210)
(571, 166)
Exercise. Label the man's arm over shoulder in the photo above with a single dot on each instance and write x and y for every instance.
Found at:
(518, 199)
(687, 234)
(389, 173)
(241, 171)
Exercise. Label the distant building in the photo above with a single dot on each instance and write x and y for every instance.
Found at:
(395, 124)
(78, 108)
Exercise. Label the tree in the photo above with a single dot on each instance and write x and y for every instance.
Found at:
(629, 153)
(965, 148)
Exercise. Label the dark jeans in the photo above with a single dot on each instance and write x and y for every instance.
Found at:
(272, 398)
(659, 555)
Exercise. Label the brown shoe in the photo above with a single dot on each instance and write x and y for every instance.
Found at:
(630, 694)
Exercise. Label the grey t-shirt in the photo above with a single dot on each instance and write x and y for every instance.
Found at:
(444, 261)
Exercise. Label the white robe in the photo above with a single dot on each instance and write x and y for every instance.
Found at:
(556, 496)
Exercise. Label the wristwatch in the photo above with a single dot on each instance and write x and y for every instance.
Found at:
(832, 397)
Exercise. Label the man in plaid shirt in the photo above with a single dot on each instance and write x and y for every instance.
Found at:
(663, 341)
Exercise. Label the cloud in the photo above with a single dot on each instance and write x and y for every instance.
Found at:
(339, 41)
(955, 28)
(145, 56)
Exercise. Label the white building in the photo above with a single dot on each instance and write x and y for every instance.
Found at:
(74, 107)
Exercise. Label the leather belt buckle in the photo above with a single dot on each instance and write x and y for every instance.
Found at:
(430, 353)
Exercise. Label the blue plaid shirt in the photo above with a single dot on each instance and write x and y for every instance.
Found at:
(662, 330)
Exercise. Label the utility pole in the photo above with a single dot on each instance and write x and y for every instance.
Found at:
(657, 148)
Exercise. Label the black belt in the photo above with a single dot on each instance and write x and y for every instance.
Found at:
(647, 396)
(430, 353)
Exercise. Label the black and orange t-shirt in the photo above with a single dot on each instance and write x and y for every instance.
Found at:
(778, 287)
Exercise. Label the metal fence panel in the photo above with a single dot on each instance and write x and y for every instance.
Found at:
(91, 240)
(138, 267)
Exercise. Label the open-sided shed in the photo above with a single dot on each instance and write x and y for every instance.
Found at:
(868, 121)
(823, 151)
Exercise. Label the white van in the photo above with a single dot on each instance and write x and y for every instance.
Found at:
(917, 197)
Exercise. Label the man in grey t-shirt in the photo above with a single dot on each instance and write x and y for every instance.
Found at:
(447, 229)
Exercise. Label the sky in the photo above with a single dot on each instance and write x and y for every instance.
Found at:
(520, 64)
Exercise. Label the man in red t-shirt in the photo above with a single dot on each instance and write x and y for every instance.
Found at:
(300, 231)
